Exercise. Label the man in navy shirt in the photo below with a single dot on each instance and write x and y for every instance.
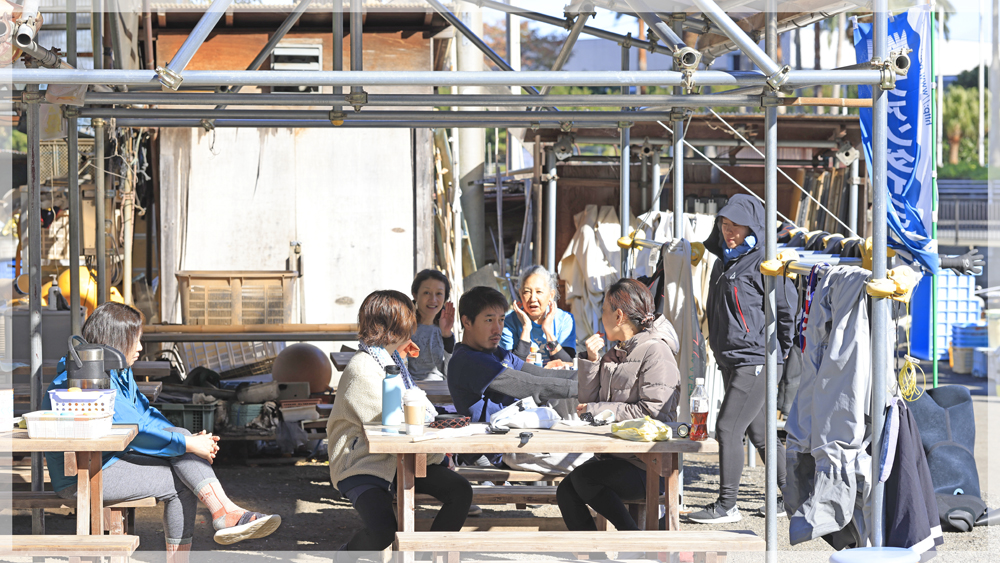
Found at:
(484, 378)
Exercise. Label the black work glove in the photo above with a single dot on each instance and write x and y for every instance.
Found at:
(969, 264)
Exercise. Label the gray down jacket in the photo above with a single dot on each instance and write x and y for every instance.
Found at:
(638, 377)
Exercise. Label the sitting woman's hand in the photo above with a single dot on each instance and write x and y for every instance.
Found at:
(581, 408)
(409, 350)
(558, 364)
(202, 445)
(594, 346)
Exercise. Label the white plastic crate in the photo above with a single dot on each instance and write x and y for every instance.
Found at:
(224, 356)
(85, 401)
(54, 424)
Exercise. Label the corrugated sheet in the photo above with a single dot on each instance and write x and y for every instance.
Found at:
(49, 38)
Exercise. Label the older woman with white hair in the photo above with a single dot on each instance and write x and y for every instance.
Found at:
(537, 319)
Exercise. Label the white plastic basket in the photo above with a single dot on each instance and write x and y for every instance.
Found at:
(87, 401)
(54, 424)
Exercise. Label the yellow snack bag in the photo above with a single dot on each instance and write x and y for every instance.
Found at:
(644, 429)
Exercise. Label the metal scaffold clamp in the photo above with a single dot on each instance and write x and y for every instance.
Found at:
(70, 112)
(207, 125)
(778, 79)
(898, 284)
(337, 117)
(779, 266)
(29, 97)
(169, 78)
(680, 114)
(358, 99)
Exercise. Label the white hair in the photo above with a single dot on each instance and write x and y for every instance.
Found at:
(549, 277)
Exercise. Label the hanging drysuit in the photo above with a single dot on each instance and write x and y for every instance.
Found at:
(829, 472)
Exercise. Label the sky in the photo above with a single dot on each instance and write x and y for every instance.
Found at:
(954, 56)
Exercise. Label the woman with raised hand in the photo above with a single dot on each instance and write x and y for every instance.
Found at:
(164, 462)
(537, 319)
(435, 321)
(637, 377)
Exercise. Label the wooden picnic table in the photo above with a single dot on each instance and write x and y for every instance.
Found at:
(661, 459)
(83, 459)
(437, 391)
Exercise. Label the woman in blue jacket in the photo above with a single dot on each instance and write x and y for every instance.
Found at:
(164, 462)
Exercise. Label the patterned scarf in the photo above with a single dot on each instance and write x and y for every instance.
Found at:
(381, 355)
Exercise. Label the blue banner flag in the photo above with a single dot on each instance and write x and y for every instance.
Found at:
(910, 135)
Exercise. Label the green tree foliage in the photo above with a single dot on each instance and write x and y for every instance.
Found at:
(961, 115)
(12, 139)
(970, 78)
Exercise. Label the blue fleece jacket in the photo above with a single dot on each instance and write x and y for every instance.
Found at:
(131, 407)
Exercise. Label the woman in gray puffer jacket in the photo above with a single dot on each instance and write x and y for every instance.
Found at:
(636, 378)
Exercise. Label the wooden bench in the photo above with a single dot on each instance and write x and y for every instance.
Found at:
(119, 518)
(512, 494)
(498, 476)
(69, 546)
(708, 546)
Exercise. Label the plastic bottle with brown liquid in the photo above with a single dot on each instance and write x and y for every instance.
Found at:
(699, 412)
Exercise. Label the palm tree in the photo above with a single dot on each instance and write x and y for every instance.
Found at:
(959, 117)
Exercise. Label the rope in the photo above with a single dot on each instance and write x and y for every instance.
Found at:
(730, 176)
(907, 377)
(794, 183)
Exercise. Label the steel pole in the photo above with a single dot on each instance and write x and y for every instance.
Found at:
(739, 37)
(657, 204)
(100, 238)
(338, 45)
(625, 183)
(852, 217)
(550, 209)
(34, 219)
(170, 76)
(73, 159)
(213, 78)
(567, 46)
(357, 41)
(643, 182)
(678, 172)
(280, 33)
(880, 306)
(475, 40)
(770, 318)
(373, 115)
(97, 37)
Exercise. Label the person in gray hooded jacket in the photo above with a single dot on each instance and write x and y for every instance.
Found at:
(636, 378)
(735, 311)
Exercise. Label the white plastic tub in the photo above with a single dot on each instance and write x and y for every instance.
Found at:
(55, 424)
(85, 401)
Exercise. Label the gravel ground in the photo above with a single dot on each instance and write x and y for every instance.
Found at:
(315, 523)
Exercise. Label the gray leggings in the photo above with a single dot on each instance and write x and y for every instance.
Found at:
(171, 480)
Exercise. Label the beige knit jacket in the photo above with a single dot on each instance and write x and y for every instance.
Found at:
(359, 402)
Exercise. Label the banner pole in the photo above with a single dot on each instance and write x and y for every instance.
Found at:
(933, 349)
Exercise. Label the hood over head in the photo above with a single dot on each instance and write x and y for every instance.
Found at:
(661, 329)
(742, 209)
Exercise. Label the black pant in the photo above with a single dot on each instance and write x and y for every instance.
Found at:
(378, 511)
(742, 413)
(603, 484)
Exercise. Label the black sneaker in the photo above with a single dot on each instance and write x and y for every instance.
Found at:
(762, 511)
(715, 514)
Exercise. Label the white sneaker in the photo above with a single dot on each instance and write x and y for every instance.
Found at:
(714, 514)
(261, 526)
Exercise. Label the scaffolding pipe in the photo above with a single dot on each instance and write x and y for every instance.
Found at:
(684, 57)
(567, 46)
(625, 183)
(338, 45)
(819, 144)
(170, 76)
(880, 306)
(115, 31)
(357, 42)
(100, 240)
(650, 46)
(213, 78)
(678, 175)
(320, 124)
(747, 45)
(44, 57)
(770, 304)
(419, 100)
(852, 217)
(278, 35)
(34, 220)
(97, 40)
(373, 116)
(643, 181)
(26, 23)
(73, 169)
(550, 209)
(655, 181)
(479, 43)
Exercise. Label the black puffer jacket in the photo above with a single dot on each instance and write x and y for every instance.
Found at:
(735, 305)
